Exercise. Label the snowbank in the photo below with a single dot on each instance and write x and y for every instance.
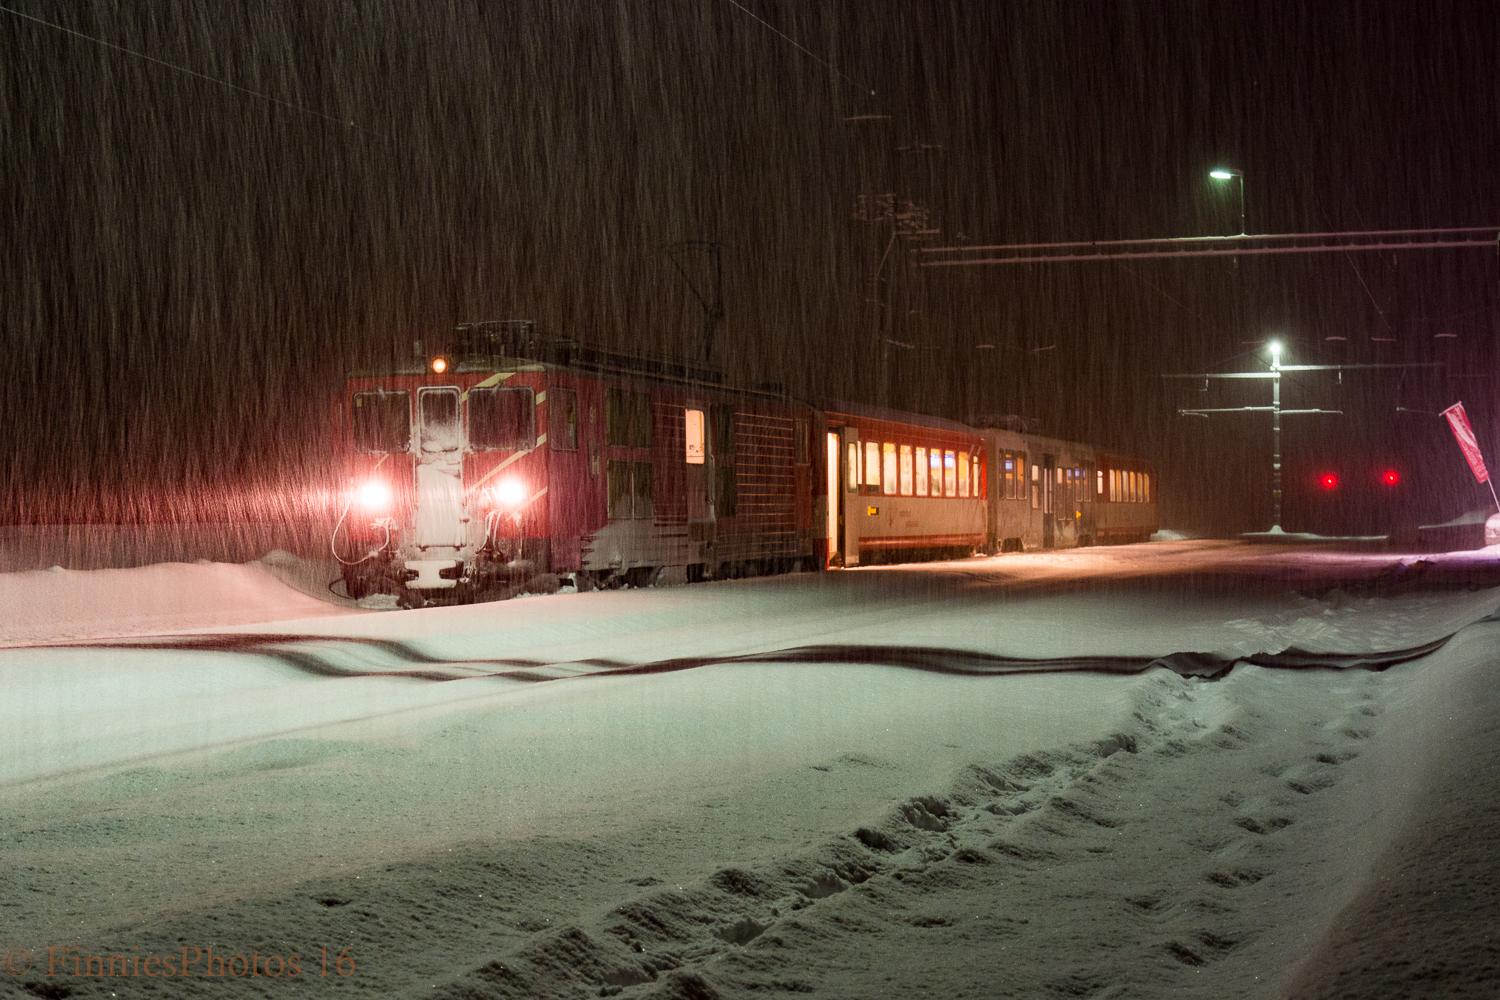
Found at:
(743, 829)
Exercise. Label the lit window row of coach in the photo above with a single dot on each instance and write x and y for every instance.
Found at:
(891, 469)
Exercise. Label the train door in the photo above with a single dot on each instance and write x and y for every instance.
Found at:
(1088, 529)
(1049, 520)
(699, 475)
(851, 506)
(440, 520)
(833, 497)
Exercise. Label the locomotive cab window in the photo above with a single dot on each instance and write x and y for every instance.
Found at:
(502, 418)
(382, 422)
(562, 416)
(437, 415)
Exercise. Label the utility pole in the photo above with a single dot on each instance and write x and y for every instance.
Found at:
(881, 201)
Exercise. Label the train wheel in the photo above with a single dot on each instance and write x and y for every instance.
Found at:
(543, 583)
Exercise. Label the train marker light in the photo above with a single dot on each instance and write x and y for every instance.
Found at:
(1390, 477)
(1328, 481)
(375, 495)
(509, 493)
(439, 365)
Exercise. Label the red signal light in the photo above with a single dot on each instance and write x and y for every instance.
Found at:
(1390, 477)
(1328, 481)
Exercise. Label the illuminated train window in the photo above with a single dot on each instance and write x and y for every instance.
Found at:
(906, 473)
(963, 473)
(872, 463)
(889, 478)
(935, 465)
(694, 437)
(920, 467)
(502, 418)
(382, 422)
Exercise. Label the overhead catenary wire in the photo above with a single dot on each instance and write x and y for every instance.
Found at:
(1363, 284)
(830, 67)
(343, 123)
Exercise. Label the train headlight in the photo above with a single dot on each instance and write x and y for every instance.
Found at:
(375, 496)
(439, 365)
(509, 493)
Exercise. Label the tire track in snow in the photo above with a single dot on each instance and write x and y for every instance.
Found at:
(366, 657)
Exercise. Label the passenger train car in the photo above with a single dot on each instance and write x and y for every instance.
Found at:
(1048, 493)
(899, 485)
(511, 461)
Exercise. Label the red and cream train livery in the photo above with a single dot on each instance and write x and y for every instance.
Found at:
(513, 460)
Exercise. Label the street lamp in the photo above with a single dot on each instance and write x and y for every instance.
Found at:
(1275, 347)
(1224, 174)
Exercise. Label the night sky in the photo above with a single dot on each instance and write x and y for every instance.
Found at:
(192, 262)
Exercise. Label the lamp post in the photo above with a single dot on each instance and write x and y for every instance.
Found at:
(1224, 174)
(1275, 347)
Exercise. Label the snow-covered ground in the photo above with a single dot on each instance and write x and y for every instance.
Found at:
(624, 793)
